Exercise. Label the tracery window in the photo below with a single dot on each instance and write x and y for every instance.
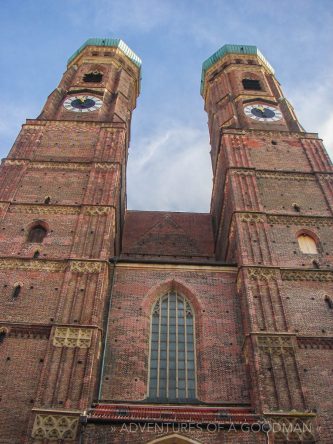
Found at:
(172, 350)
(307, 244)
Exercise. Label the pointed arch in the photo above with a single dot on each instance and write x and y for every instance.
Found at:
(172, 350)
(168, 285)
(308, 242)
(175, 438)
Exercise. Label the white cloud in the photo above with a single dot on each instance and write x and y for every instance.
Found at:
(143, 15)
(313, 106)
(171, 171)
(11, 119)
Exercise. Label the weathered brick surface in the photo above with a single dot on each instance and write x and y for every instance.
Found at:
(165, 234)
(221, 372)
(263, 328)
(317, 384)
(21, 362)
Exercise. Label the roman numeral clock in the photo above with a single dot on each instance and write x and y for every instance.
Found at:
(82, 103)
(263, 113)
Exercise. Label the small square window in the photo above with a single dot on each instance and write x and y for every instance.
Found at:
(251, 84)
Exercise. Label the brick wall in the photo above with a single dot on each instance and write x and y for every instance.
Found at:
(221, 373)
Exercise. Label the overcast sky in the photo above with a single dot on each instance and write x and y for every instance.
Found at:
(169, 164)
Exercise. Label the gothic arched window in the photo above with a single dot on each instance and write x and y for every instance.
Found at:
(307, 244)
(172, 373)
(37, 234)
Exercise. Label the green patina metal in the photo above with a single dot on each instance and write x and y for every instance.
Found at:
(231, 49)
(110, 43)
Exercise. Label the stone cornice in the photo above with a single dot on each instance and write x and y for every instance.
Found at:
(284, 219)
(270, 273)
(81, 166)
(91, 210)
(28, 331)
(78, 266)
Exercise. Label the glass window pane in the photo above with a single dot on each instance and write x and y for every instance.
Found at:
(190, 365)
(191, 384)
(191, 394)
(169, 339)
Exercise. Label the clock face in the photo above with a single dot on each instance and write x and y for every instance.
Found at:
(263, 113)
(82, 104)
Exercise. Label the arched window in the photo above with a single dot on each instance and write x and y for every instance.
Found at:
(37, 234)
(172, 351)
(307, 244)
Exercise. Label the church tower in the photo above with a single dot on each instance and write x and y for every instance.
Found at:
(63, 198)
(146, 327)
(272, 208)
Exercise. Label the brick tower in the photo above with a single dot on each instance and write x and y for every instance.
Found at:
(145, 327)
(63, 200)
(272, 207)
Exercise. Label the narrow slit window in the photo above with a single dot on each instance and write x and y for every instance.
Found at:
(16, 291)
(172, 350)
(307, 244)
(251, 84)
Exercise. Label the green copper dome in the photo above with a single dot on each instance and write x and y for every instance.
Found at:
(111, 43)
(231, 49)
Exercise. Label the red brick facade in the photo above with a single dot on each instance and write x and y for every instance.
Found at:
(77, 306)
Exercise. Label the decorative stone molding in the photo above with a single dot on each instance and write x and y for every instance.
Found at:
(251, 217)
(285, 176)
(307, 275)
(104, 166)
(315, 343)
(293, 427)
(300, 220)
(261, 273)
(42, 209)
(60, 165)
(274, 174)
(97, 211)
(326, 176)
(85, 267)
(275, 344)
(29, 331)
(55, 427)
(35, 265)
(72, 337)
(15, 162)
(243, 172)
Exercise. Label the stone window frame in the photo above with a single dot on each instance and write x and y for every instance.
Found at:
(180, 394)
(313, 236)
